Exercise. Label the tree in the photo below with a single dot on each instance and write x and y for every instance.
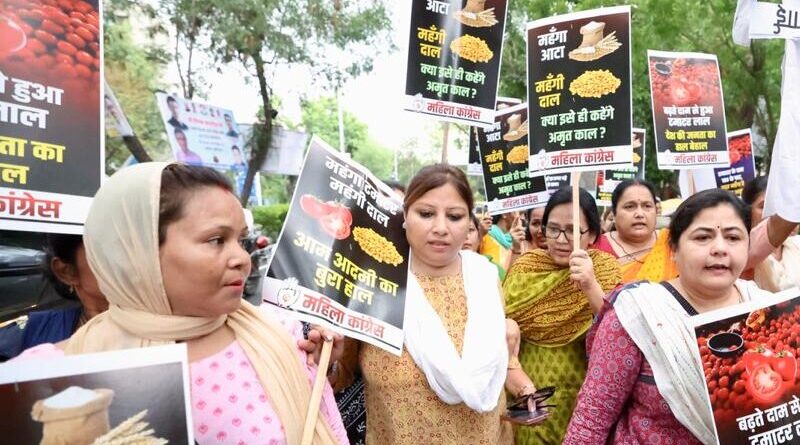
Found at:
(336, 39)
(750, 75)
(133, 71)
(320, 118)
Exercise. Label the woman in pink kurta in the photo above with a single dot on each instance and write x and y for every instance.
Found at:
(229, 404)
(165, 244)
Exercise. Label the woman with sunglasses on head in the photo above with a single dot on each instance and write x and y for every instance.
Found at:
(553, 294)
(643, 374)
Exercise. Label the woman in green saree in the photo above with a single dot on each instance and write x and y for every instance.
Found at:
(553, 294)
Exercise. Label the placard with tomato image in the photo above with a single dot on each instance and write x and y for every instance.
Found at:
(688, 110)
(749, 356)
(342, 257)
(51, 159)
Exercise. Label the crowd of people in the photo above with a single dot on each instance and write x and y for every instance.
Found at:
(497, 312)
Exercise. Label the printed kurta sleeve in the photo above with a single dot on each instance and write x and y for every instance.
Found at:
(614, 366)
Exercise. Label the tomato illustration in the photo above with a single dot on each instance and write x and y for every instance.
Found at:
(314, 207)
(753, 358)
(336, 223)
(12, 36)
(684, 92)
(764, 385)
(784, 364)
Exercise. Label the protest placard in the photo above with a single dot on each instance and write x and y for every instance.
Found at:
(99, 398)
(342, 255)
(747, 354)
(579, 91)
(688, 110)
(454, 55)
(51, 160)
(741, 171)
(474, 162)
(775, 20)
(504, 158)
(608, 180)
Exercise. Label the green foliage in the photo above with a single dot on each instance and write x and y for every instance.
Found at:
(133, 71)
(320, 117)
(274, 188)
(336, 39)
(750, 75)
(271, 218)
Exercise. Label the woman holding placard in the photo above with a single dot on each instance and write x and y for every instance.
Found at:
(643, 252)
(643, 375)
(164, 241)
(553, 294)
(447, 386)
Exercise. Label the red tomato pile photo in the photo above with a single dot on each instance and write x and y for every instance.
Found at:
(760, 375)
(688, 83)
(739, 147)
(57, 38)
(334, 218)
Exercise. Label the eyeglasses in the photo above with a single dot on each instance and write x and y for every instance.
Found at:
(553, 232)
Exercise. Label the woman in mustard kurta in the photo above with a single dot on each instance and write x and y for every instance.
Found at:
(553, 294)
(447, 386)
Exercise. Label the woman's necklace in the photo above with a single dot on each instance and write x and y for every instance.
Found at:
(633, 255)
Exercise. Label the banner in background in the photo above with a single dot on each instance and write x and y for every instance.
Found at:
(454, 55)
(748, 357)
(579, 91)
(51, 156)
(608, 180)
(688, 110)
(201, 134)
(342, 256)
(115, 117)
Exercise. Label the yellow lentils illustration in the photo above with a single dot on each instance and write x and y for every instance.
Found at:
(377, 246)
(596, 83)
(518, 155)
(471, 48)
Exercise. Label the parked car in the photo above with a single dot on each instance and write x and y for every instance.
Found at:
(23, 285)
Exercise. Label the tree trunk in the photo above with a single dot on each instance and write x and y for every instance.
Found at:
(263, 138)
(136, 148)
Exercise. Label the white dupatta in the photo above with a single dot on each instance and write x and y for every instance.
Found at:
(475, 378)
(662, 330)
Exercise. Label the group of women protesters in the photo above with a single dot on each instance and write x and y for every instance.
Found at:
(605, 324)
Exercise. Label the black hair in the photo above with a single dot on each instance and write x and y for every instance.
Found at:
(707, 199)
(236, 148)
(625, 185)
(64, 247)
(528, 219)
(171, 99)
(753, 188)
(177, 182)
(395, 185)
(475, 221)
(586, 203)
(435, 176)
